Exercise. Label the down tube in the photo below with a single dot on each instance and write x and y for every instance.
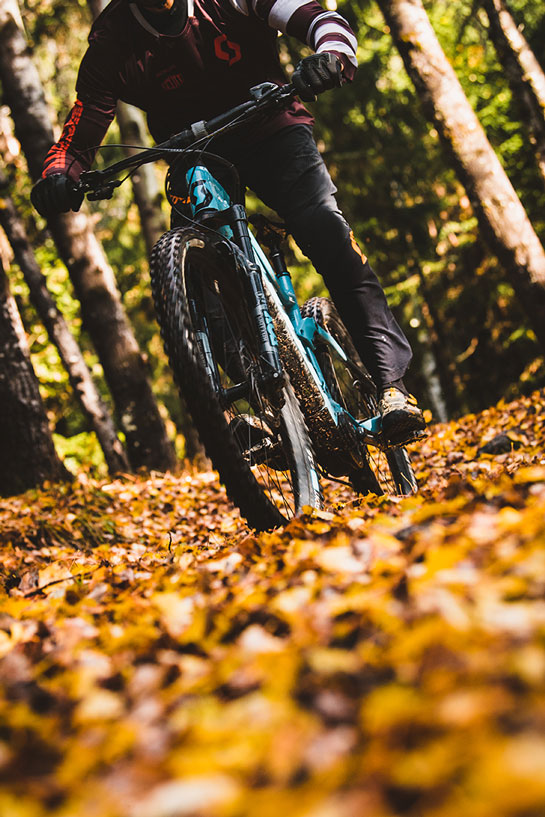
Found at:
(287, 309)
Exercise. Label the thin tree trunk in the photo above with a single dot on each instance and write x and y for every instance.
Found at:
(501, 215)
(124, 367)
(523, 71)
(27, 453)
(93, 279)
(430, 372)
(79, 375)
(147, 194)
(446, 392)
(445, 369)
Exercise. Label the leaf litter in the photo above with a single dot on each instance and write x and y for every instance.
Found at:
(381, 657)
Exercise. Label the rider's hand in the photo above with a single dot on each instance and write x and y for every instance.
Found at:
(316, 74)
(55, 194)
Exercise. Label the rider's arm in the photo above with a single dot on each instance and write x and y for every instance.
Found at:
(82, 133)
(324, 31)
(87, 122)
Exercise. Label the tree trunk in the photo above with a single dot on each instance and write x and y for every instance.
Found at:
(80, 378)
(501, 215)
(93, 279)
(104, 319)
(27, 453)
(147, 194)
(445, 368)
(523, 71)
(430, 372)
(445, 393)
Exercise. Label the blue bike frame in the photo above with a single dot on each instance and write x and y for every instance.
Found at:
(207, 195)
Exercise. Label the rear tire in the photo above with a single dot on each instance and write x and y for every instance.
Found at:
(259, 446)
(383, 471)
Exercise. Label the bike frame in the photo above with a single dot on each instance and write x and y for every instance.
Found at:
(212, 207)
(208, 200)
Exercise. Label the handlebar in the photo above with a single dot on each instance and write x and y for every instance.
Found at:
(100, 184)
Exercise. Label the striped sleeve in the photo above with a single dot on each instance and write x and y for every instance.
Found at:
(310, 23)
(330, 32)
(75, 150)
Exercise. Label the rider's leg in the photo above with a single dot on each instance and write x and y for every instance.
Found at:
(324, 236)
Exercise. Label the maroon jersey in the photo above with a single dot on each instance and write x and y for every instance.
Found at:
(225, 47)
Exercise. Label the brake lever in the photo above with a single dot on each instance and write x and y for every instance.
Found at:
(106, 191)
(90, 179)
(262, 91)
(265, 90)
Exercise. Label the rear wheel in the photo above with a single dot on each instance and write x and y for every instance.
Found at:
(383, 471)
(256, 440)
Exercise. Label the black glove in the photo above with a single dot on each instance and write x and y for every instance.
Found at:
(316, 74)
(55, 194)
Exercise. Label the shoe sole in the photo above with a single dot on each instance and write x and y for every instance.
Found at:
(402, 428)
(415, 437)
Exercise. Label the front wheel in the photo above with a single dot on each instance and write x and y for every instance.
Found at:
(382, 471)
(256, 440)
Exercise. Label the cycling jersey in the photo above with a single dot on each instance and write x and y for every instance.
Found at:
(225, 47)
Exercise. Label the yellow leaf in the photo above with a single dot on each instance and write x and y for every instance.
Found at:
(187, 797)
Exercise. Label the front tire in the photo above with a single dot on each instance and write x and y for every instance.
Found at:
(383, 471)
(259, 445)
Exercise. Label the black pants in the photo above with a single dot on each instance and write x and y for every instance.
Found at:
(288, 174)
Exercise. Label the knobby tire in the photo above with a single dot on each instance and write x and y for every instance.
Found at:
(384, 471)
(195, 285)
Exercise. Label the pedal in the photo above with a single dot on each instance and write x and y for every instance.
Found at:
(407, 439)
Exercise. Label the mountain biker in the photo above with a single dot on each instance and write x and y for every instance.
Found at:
(185, 60)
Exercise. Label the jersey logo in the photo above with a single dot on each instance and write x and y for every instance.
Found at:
(171, 82)
(170, 78)
(227, 50)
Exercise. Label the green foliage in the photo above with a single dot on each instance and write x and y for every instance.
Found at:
(464, 36)
(81, 451)
(409, 211)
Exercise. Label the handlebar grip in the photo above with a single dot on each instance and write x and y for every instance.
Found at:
(179, 140)
(226, 118)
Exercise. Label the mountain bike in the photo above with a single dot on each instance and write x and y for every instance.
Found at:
(277, 392)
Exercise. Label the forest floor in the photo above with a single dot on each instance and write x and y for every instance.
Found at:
(381, 657)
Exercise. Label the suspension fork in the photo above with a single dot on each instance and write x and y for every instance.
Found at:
(212, 206)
